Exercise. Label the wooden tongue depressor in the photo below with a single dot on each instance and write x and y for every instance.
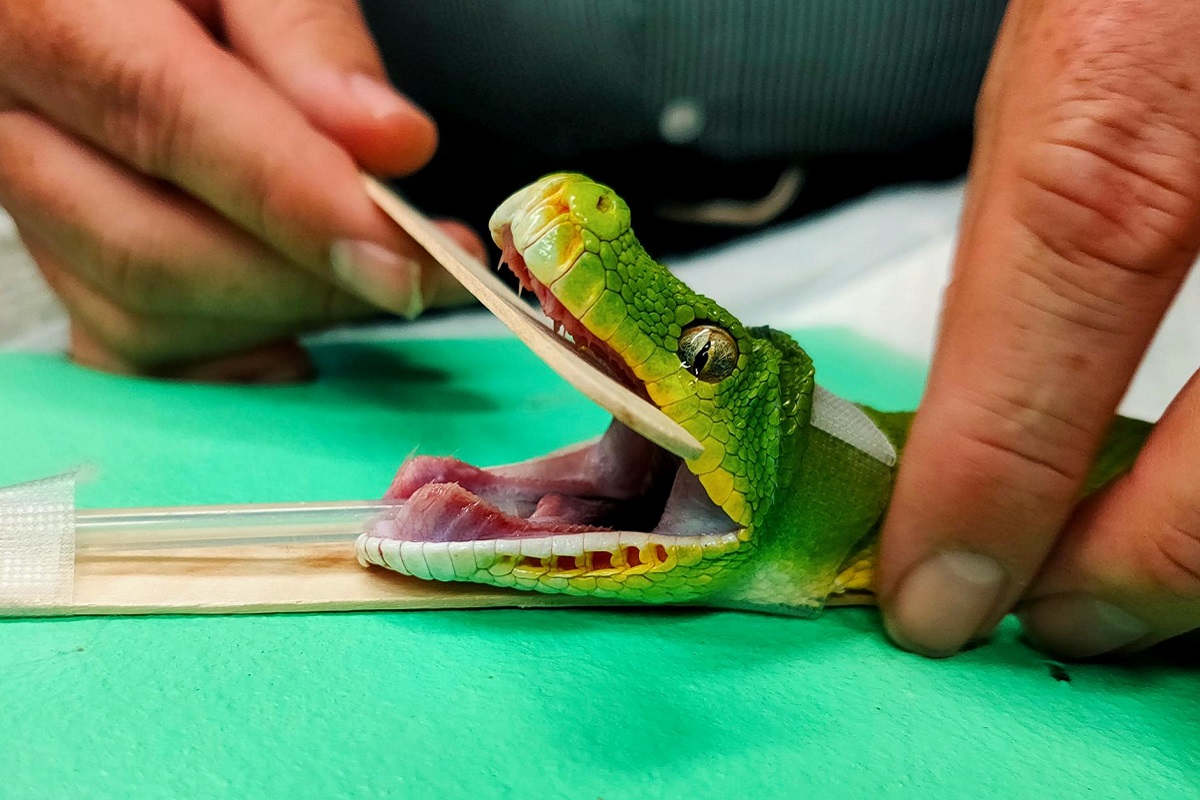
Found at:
(632, 410)
(264, 580)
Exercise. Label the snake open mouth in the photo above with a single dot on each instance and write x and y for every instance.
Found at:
(608, 515)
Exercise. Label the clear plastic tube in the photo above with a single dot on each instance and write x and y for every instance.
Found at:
(123, 529)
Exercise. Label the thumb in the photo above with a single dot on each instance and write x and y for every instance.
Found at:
(1126, 573)
(320, 54)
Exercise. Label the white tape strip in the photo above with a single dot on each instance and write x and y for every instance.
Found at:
(37, 543)
(843, 420)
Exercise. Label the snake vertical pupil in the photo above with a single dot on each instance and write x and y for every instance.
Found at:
(708, 352)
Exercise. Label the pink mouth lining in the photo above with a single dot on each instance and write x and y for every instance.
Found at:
(618, 482)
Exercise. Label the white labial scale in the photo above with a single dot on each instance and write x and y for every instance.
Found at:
(570, 544)
(508, 547)
(437, 559)
(536, 548)
(602, 540)
(389, 550)
(462, 558)
(484, 551)
(689, 550)
(717, 545)
(369, 552)
(413, 556)
(633, 539)
(360, 550)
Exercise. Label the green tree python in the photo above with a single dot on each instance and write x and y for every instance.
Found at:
(779, 513)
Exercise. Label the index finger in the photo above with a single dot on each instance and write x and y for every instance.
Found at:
(156, 91)
(1081, 225)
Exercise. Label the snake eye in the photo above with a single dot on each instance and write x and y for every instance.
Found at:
(708, 352)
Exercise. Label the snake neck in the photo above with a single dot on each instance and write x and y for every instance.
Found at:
(855, 582)
(819, 542)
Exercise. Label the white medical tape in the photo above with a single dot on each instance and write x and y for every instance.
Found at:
(846, 422)
(37, 543)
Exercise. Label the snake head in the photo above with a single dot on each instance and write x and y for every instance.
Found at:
(618, 518)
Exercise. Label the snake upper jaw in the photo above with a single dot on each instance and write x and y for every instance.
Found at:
(501, 221)
(521, 202)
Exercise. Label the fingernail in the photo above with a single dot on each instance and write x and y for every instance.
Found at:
(1077, 625)
(379, 275)
(943, 602)
(377, 98)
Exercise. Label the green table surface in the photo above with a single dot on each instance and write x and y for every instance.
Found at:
(552, 703)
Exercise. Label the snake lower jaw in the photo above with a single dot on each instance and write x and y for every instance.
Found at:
(617, 518)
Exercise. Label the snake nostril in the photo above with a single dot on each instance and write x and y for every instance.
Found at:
(604, 203)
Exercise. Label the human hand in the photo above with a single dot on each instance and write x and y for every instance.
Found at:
(1082, 220)
(186, 175)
